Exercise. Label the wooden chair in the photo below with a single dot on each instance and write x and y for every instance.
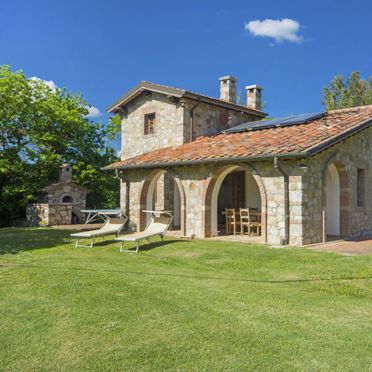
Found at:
(250, 220)
(231, 220)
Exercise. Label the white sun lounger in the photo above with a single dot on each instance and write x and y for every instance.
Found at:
(112, 226)
(157, 226)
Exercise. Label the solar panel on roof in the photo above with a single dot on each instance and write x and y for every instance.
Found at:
(276, 122)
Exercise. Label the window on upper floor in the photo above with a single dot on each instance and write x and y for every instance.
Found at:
(149, 123)
(361, 193)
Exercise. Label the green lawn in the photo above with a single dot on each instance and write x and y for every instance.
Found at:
(186, 305)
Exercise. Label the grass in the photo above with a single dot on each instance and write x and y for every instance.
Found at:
(186, 305)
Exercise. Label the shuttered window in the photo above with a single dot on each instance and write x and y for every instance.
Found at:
(149, 124)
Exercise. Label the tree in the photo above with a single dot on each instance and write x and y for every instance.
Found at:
(347, 93)
(41, 128)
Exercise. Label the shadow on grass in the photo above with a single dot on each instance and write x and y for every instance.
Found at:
(199, 277)
(144, 246)
(14, 240)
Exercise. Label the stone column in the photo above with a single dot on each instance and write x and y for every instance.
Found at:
(296, 195)
(124, 196)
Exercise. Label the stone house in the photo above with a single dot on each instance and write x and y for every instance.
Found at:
(59, 203)
(196, 155)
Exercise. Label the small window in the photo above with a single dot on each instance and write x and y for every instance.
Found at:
(149, 124)
(361, 193)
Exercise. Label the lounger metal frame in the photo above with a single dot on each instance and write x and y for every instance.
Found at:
(153, 213)
(77, 245)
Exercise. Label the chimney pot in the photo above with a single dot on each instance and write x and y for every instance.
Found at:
(228, 89)
(65, 173)
(254, 97)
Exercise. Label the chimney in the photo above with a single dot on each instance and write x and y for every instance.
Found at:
(65, 173)
(228, 89)
(254, 97)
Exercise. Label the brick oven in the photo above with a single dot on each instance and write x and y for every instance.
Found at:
(59, 203)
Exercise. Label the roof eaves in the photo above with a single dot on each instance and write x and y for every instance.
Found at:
(289, 155)
(146, 85)
(139, 88)
(338, 138)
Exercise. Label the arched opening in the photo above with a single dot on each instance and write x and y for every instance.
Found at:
(332, 201)
(234, 187)
(336, 200)
(163, 191)
(67, 199)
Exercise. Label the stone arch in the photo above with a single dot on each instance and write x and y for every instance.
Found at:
(66, 198)
(343, 194)
(211, 190)
(148, 187)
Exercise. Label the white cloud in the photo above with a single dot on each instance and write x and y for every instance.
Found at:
(279, 29)
(93, 112)
(50, 83)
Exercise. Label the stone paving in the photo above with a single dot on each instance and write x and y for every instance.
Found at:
(354, 247)
(239, 239)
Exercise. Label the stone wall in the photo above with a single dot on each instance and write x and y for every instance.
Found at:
(208, 120)
(347, 156)
(78, 194)
(43, 214)
(306, 189)
(37, 214)
(196, 182)
(172, 122)
(168, 125)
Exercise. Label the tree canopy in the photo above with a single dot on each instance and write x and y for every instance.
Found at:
(350, 92)
(41, 128)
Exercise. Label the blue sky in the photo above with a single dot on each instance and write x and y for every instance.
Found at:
(103, 48)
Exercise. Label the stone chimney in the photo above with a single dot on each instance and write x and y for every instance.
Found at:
(228, 89)
(254, 97)
(65, 173)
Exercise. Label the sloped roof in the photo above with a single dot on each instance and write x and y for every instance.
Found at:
(299, 140)
(179, 93)
(53, 186)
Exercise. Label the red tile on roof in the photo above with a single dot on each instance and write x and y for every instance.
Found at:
(259, 143)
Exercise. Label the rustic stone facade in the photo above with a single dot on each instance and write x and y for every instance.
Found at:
(173, 120)
(293, 190)
(351, 154)
(168, 124)
(304, 195)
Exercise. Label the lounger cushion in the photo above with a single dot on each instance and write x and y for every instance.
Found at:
(113, 226)
(137, 236)
(93, 233)
(158, 226)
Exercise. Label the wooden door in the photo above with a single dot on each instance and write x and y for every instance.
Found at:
(238, 189)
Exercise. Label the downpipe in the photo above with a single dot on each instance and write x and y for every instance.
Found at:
(191, 113)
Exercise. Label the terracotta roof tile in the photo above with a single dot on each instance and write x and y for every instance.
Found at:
(279, 141)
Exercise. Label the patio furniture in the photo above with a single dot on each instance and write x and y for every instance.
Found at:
(112, 226)
(157, 226)
(250, 218)
(231, 220)
(96, 214)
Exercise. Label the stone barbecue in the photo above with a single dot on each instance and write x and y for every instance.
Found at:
(59, 203)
